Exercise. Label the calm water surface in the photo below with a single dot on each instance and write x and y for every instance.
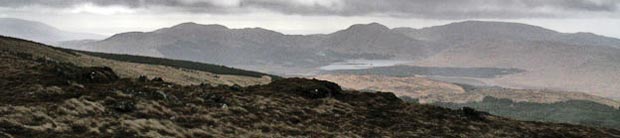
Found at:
(362, 64)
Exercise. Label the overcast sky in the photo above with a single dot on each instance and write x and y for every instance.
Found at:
(312, 16)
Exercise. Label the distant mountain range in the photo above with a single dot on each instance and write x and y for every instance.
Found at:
(213, 44)
(264, 50)
(219, 44)
(549, 59)
(40, 32)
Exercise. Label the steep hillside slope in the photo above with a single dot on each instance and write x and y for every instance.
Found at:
(431, 91)
(523, 104)
(214, 44)
(43, 98)
(180, 72)
(39, 32)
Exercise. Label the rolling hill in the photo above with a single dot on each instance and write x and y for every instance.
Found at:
(40, 32)
(551, 60)
(180, 72)
(459, 33)
(212, 44)
(376, 39)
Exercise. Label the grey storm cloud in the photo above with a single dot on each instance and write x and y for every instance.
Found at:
(396, 8)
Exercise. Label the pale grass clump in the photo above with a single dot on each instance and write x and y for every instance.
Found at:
(81, 106)
(154, 108)
(154, 128)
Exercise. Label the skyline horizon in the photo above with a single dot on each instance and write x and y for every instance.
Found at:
(289, 32)
(313, 16)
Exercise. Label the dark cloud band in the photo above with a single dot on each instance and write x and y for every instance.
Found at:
(453, 9)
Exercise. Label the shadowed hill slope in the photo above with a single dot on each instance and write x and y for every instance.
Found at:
(217, 69)
(180, 72)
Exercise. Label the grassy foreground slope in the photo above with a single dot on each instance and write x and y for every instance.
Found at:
(572, 111)
(45, 98)
(522, 104)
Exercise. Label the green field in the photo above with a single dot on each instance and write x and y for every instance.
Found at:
(572, 111)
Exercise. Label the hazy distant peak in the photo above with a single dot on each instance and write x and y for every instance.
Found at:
(259, 30)
(376, 24)
(477, 30)
(126, 35)
(192, 25)
(477, 22)
(499, 26)
(485, 23)
(25, 25)
(255, 29)
(586, 33)
(404, 29)
(369, 27)
(15, 20)
(38, 31)
(188, 23)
